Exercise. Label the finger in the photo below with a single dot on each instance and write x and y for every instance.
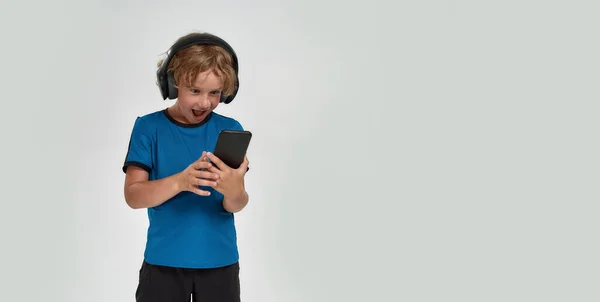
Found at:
(205, 183)
(244, 166)
(215, 170)
(216, 161)
(207, 174)
(203, 157)
(198, 165)
(197, 191)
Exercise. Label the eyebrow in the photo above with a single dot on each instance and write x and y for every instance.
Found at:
(194, 87)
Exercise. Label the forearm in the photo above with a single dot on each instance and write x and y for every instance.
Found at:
(236, 202)
(152, 193)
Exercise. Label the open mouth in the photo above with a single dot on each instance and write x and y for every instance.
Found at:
(198, 113)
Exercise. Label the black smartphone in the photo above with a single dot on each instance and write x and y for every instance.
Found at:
(232, 146)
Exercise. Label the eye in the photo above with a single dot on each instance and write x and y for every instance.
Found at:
(215, 92)
(194, 91)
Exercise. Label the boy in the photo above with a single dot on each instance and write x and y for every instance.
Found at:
(190, 195)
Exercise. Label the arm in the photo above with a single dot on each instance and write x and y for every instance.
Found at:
(141, 193)
(235, 203)
(236, 199)
(231, 184)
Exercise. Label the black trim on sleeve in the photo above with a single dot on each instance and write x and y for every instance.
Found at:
(135, 164)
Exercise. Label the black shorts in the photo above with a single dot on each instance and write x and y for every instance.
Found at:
(170, 284)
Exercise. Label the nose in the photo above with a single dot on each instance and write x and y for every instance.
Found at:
(204, 101)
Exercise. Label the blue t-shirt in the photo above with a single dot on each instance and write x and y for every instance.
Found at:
(187, 231)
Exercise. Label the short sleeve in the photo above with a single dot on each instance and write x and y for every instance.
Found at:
(237, 126)
(139, 152)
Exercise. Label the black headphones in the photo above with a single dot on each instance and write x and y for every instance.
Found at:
(166, 80)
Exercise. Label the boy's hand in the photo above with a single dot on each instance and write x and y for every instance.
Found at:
(197, 174)
(231, 181)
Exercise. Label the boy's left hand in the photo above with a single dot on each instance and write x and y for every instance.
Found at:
(231, 181)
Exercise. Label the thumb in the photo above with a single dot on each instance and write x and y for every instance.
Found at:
(203, 157)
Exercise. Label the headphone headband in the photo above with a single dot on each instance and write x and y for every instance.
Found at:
(165, 79)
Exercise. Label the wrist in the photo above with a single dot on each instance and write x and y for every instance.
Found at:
(235, 201)
(176, 183)
(237, 193)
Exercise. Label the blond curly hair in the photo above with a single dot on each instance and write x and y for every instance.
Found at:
(187, 63)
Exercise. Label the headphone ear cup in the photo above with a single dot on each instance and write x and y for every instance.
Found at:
(230, 98)
(162, 85)
(171, 88)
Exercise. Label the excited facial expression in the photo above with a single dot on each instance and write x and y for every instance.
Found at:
(195, 103)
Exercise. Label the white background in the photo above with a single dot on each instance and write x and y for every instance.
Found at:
(402, 151)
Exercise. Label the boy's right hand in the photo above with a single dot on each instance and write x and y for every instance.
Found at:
(195, 175)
